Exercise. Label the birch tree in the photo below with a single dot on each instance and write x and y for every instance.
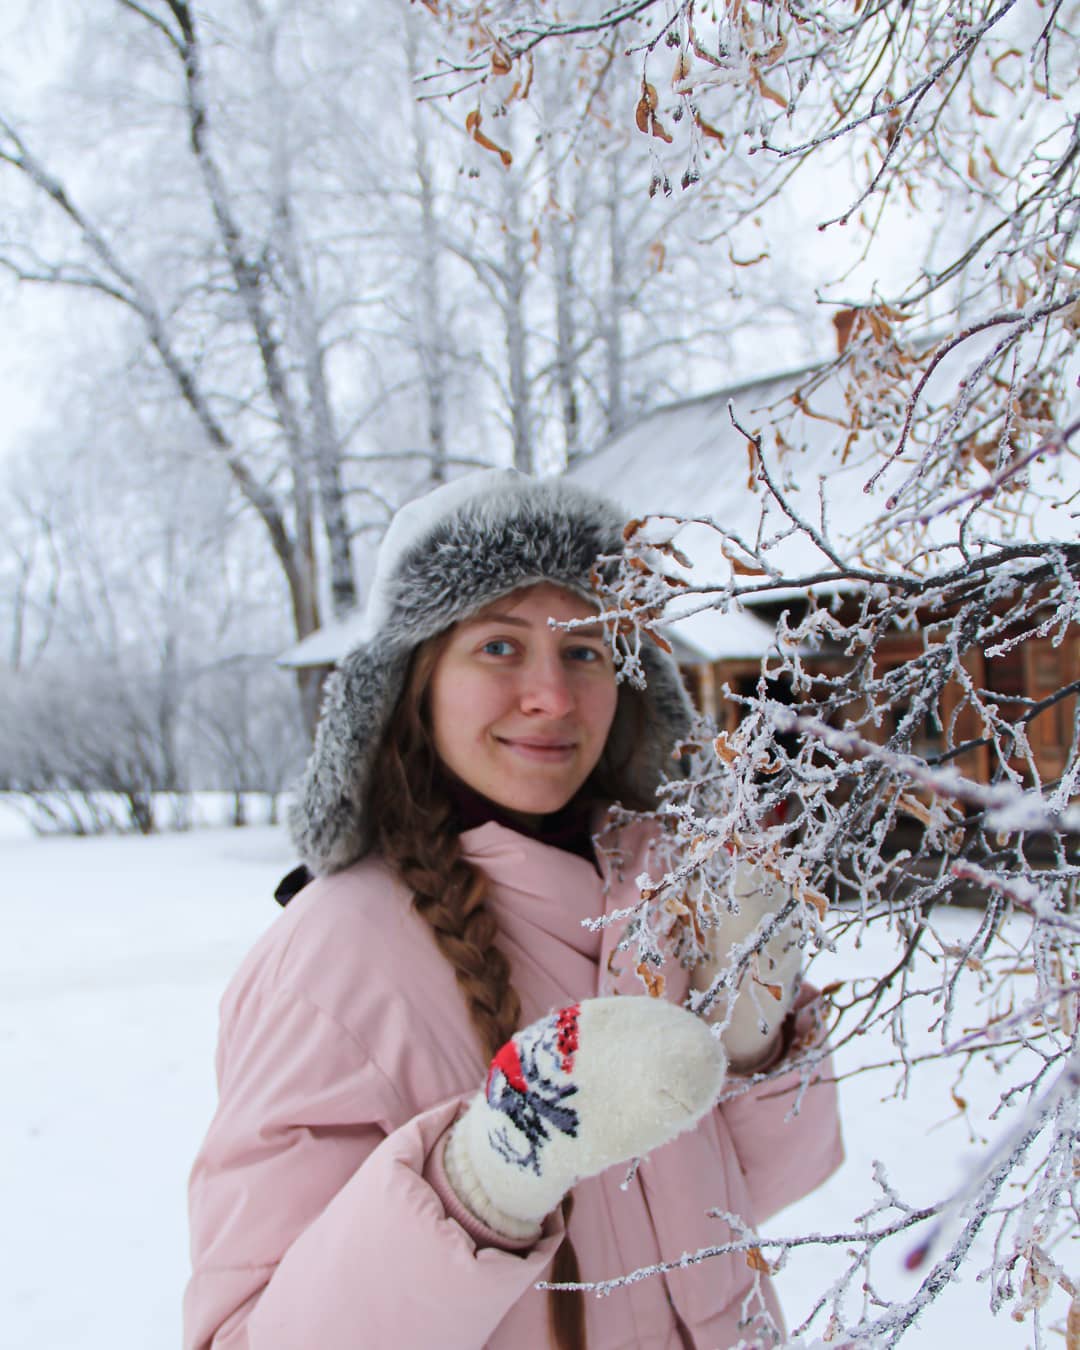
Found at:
(235, 308)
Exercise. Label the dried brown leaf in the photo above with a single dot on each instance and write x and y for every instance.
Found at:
(765, 90)
(1072, 1325)
(653, 982)
(645, 114)
(995, 167)
(724, 750)
(709, 131)
(748, 262)
(911, 806)
(682, 67)
(810, 896)
(472, 126)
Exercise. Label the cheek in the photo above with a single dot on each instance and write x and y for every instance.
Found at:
(444, 701)
(603, 702)
(460, 701)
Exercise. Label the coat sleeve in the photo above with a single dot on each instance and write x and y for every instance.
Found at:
(311, 1221)
(785, 1155)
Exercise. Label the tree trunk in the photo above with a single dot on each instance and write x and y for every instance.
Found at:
(433, 342)
(565, 363)
(516, 331)
(613, 327)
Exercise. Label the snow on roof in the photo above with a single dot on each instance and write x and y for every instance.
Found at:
(688, 460)
(709, 635)
(327, 645)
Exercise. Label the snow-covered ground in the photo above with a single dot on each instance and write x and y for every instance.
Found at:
(114, 954)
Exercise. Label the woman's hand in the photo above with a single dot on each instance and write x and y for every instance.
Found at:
(751, 1037)
(591, 1085)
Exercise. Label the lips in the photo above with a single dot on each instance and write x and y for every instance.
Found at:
(538, 748)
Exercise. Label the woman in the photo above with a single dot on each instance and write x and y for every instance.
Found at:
(355, 1188)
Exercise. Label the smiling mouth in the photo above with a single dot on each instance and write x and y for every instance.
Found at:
(538, 749)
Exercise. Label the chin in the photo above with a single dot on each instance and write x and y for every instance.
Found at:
(542, 804)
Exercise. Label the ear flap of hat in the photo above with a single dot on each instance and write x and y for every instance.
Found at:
(645, 751)
(327, 818)
(670, 712)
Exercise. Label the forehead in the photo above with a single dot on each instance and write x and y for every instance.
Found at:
(534, 605)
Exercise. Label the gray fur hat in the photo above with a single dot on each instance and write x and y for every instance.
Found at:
(445, 556)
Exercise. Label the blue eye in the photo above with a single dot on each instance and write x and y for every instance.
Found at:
(584, 654)
(498, 647)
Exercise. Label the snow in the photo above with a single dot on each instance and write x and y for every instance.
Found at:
(327, 645)
(116, 951)
(706, 634)
(686, 459)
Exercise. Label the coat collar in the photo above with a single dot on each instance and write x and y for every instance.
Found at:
(527, 870)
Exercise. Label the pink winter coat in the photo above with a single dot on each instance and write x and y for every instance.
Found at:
(346, 1052)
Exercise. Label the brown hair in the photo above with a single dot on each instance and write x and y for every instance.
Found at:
(415, 830)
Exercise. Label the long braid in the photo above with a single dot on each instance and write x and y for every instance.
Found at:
(451, 896)
(415, 831)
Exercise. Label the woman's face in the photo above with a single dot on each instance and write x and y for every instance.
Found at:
(521, 712)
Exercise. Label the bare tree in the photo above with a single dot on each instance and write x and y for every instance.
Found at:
(262, 379)
(296, 280)
(838, 798)
(152, 581)
(887, 784)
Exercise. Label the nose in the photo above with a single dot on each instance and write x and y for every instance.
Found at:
(545, 689)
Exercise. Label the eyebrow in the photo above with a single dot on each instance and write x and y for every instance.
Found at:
(589, 630)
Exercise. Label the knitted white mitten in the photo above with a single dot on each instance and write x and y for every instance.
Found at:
(591, 1085)
(767, 990)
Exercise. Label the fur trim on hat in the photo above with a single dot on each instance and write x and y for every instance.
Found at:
(445, 556)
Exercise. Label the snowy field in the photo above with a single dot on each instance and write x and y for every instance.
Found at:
(114, 955)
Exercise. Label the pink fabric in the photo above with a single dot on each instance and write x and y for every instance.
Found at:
(315, 1220)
